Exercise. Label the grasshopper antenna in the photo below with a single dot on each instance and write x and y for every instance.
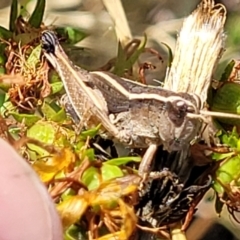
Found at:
(220, 114)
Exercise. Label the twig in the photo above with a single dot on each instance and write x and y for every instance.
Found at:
(117, 13)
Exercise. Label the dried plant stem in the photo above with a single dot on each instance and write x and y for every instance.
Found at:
(117, 13)
(199, 46)
(177, 233)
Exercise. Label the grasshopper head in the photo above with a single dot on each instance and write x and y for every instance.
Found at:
(176, 129)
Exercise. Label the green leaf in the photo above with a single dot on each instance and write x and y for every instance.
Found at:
(3, 58)
(91, 132)
(34, 57)
(137, 53)
(47, 110)
(53, 112)
(56, 87)
(228, 171)
(227, 100)
(5, 34)
(13, 15)
(221, 156)
(91, 178)
(90, 154)
(120, 60)
(43, 132)
(35, 152)
(78, 146)
(37, 16)
(230, 139)
(3, 71)
(110, 171)
(8, 106)
(28, 119)
(123, 160)
(4, 86)
(122, 63)
(75, 233)
(69, 192)
(218, 205)
(53, 76)
(53, 104)
(2, 99)
(59, 116)
(227, 71)
(72, 35)
(218, 188)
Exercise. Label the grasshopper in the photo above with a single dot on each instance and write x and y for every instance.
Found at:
(135, 114)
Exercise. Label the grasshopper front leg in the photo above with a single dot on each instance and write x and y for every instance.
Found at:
(147, 160)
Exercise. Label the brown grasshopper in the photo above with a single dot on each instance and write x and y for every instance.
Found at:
(135, 114)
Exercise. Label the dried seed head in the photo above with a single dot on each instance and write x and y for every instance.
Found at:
(199, 46)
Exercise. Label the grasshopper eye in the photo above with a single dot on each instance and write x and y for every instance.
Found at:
(185, 107)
